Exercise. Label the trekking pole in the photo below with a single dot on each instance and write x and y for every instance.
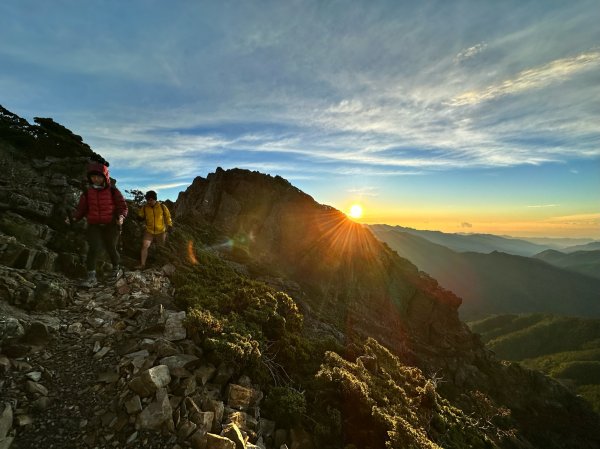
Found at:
(120, 244)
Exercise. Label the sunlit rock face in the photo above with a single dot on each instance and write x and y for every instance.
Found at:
(355, 278)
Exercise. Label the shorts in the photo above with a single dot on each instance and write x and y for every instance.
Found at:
(160, 238)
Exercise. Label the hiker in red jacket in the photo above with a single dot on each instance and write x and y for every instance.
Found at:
(104, 208)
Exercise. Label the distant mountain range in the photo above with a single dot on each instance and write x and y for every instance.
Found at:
(566, 348)
(487, 243)
(497, 282)
(585, 262)
(564, 244)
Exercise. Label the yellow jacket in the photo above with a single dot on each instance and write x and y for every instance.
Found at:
(157, 218)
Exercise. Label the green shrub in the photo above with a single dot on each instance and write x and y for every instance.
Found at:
(285, 405)
(591, 393)
(388, 403)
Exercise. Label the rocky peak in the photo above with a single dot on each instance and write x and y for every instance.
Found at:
(362, 280)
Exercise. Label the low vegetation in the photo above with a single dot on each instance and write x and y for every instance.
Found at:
(346, 398)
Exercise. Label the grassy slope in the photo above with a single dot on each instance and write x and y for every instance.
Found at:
(565, 348)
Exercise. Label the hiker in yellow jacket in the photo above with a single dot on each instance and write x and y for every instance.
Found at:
(158, 223)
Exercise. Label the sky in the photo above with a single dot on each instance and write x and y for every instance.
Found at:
(461, 116)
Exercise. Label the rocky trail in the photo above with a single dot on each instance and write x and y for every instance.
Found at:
(114, 369)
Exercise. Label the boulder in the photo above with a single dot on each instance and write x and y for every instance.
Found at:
(151, 380)
(242, 398)
(218, 442)
(174, 328)
(11, 329)
(233, 432)
(6, 420)
(157, 413)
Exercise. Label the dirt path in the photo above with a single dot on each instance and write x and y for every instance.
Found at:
(65, 393)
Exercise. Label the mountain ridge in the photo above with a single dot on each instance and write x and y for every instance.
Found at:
(486, 243)
(585, 262)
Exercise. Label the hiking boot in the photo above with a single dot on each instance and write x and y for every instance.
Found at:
(115, 275)
(140, 267)
(90, 281)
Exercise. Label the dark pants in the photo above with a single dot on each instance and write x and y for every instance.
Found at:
(98, 235)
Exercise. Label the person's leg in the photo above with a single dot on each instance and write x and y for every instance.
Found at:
(110, 238)
(94, 240)
(146, 242)
(161, 238)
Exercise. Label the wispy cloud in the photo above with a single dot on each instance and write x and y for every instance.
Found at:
(577, 219)
(534, 78)
(160, 187)
(368, 191)
(544, 205)
(470, 52)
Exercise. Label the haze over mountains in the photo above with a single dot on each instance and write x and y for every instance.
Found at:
(584, 262)
(487, 243)
(496, 282)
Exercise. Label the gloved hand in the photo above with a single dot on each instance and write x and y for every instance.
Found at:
(170, 230)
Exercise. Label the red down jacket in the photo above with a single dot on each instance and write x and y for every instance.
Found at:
(100, 206)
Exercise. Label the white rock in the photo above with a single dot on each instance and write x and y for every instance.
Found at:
(34, 375)
(151, 380)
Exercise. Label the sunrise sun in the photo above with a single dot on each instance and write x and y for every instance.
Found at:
(356, 211)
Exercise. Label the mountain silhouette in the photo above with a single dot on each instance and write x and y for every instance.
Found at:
(353, 277)
(592, 246)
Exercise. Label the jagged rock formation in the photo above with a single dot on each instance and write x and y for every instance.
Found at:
(43, 169)
(355, 278)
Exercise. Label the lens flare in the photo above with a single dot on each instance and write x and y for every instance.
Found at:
(191, 253)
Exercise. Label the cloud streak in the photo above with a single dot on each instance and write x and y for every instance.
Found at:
(535, 78)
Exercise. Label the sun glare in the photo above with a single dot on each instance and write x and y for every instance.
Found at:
(356, 211)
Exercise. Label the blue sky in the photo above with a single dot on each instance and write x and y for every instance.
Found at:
(478, 116)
